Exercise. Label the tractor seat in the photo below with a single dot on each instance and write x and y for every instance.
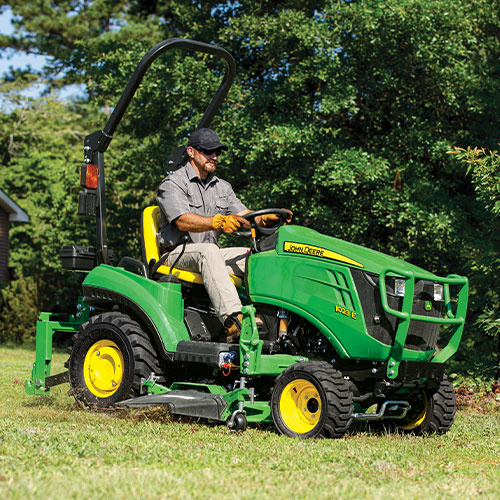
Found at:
(150, 224)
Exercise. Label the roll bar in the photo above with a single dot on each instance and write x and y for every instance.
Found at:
(100, 140)
(93, 201)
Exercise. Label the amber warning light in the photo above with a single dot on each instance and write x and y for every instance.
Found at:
(89, 176)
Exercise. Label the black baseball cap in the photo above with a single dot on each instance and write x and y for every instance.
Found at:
(205, 138)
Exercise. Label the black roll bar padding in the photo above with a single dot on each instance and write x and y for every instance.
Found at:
(100, 216)
(101, 139)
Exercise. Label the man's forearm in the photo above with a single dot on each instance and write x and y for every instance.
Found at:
(194, 223)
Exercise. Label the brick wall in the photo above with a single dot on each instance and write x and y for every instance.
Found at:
(4, 246)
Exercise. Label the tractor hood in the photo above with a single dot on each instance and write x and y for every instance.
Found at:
(305, 242)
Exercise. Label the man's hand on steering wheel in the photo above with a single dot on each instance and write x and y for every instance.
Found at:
(281, 216)
(269, 220)
(229, 223)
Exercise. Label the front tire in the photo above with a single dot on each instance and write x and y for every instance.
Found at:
(109, 358)
(311, 399)
(432, 412)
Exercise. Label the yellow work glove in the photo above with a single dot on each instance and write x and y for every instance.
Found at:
(272, 219)
(228, 223)
(269, 219)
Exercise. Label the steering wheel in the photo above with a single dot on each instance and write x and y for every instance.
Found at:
(264, 231)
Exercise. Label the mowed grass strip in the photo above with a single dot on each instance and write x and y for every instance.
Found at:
(51, 448)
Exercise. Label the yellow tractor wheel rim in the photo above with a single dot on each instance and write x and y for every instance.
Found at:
(413, 424)
(103, 368)
(300, 406)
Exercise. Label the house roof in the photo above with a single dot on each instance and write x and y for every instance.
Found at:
(16, 213)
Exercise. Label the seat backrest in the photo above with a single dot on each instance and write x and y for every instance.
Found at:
(150, 224)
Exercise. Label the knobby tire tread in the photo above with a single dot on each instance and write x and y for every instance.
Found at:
(444, 408)
(338, 396)
(145, 360)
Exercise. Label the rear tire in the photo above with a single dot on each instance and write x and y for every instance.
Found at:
(432, 412)
(109, 358)
(311, 399)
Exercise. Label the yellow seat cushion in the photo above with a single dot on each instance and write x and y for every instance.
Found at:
(150, 226)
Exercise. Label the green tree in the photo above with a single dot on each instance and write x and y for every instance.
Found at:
(40, 148)
(484, 168)
(343, 111)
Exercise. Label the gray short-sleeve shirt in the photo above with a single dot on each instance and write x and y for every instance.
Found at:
(182, 192)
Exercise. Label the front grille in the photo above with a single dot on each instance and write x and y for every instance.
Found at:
(422, 336)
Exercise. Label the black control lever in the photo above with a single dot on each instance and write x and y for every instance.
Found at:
(164, 257)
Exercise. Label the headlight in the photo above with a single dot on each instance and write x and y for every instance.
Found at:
(399, 287)
(438, 291)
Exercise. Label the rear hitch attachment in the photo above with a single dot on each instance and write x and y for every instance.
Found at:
(392, 406)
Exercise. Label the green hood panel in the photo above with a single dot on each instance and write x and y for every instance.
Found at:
(304, 242)
(312, 275)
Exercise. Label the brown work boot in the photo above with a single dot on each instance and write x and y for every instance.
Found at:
(233, 326)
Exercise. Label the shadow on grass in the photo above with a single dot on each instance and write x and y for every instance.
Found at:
(161, 415)
(43, 401)
(375, 428)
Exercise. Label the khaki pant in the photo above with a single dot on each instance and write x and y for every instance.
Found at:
(215, 264)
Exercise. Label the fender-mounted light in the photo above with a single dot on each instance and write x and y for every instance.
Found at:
(438, 291)
(89, 176)
(399, 287)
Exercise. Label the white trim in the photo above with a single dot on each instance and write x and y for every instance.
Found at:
(16, 213)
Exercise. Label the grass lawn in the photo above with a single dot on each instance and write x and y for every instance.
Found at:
(51, 448)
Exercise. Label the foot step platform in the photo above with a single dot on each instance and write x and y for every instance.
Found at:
(186, 402)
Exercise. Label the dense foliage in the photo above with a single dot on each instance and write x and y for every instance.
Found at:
(484, 167)
(343, 111)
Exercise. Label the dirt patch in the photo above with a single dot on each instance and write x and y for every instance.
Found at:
(483, 399)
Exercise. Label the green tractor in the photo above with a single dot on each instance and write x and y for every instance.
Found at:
(346, 334)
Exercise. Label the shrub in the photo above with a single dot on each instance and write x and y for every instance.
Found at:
(19, 308)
